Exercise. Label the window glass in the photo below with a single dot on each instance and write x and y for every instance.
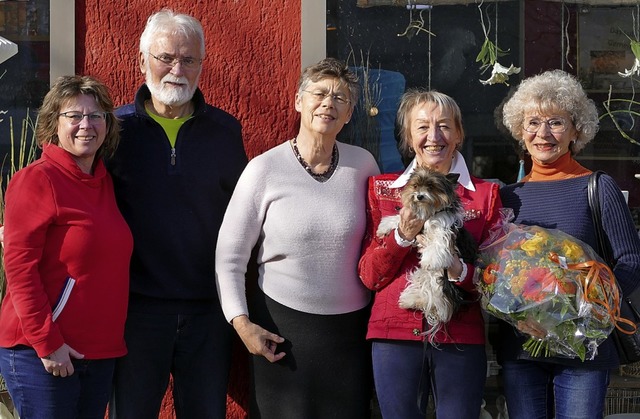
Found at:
(25, 76)
(392, 47)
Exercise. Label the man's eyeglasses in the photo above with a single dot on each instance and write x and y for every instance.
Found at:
(76, 117)
(320, 96)
(171, 61)
(555, 125)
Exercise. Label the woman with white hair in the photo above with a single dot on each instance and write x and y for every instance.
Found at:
(552, 118)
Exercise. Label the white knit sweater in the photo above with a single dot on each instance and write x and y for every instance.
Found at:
(309, 232)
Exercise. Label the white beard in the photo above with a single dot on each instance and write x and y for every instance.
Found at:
(169, 94)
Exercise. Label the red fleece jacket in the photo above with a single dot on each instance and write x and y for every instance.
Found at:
(62, 223)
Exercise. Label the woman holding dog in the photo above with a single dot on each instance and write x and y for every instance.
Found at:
(408, 365)
(552, 119)
(302, 206)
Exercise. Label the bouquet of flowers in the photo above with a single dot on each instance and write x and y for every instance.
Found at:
(550, 286)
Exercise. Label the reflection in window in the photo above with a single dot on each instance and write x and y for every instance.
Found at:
(397, 40)
(539, 35)
(26, 75)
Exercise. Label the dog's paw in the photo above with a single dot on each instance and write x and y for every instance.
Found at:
(411, 301)
(414, 297)
(387, 224)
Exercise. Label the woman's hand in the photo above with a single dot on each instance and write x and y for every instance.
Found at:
(409, 225)
(258, 340)
(59, 362)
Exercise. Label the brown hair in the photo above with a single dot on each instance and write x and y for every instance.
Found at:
(66, 88)
(331, 68)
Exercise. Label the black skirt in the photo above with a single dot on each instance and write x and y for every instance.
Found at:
(326, 372)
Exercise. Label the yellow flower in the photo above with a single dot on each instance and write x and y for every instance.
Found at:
(572, 251)
(535, 244)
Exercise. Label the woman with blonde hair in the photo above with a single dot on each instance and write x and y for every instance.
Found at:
(410, 359)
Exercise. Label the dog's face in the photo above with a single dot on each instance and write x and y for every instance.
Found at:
(428, 192)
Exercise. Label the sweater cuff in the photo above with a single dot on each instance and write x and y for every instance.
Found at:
(463, 274)
(402, 242)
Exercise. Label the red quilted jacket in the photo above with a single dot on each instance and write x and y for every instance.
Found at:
(384, 265)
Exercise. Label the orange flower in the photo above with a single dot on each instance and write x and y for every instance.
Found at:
(489, 274)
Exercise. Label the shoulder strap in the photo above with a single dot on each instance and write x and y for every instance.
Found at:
(596, 215)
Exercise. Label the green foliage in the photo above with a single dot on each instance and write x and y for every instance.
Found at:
(22, 152)
(635, 48)
(635, 45)
(489, 53)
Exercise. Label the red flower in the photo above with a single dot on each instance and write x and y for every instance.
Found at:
(541, 283)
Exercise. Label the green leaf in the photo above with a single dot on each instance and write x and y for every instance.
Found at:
(484, 51)
(635, 48)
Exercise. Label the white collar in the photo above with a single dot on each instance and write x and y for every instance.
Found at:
(458, 166)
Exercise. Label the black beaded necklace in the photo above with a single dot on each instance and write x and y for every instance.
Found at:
(320, 177)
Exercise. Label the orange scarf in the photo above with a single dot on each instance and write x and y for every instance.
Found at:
(563, 168)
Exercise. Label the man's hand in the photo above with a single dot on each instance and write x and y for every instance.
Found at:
(59, 362)
(258, 340)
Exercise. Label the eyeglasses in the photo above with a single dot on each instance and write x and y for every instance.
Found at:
(556, 125)
(76, 117)
(321, 96)
(171, 61)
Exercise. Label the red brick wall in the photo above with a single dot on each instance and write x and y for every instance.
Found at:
(250, 70)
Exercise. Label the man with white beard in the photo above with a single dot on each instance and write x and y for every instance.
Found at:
(174, 172)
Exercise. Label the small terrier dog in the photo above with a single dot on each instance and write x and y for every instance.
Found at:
(432, 197)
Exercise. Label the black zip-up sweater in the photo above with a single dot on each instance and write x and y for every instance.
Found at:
(174, 200)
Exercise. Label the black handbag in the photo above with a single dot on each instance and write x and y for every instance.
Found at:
(626, 339)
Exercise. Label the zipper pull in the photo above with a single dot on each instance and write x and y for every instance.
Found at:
(173, 156)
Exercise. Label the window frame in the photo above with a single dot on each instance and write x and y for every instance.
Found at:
(62, 46)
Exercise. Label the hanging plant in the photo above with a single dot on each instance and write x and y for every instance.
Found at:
(416, 25)
(628, 109)
(490, 52)
(611, 113)
(635, 49)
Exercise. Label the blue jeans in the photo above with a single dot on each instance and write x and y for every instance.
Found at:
(37, 394)
(406, 372)
(540, 390)
(195, 349)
